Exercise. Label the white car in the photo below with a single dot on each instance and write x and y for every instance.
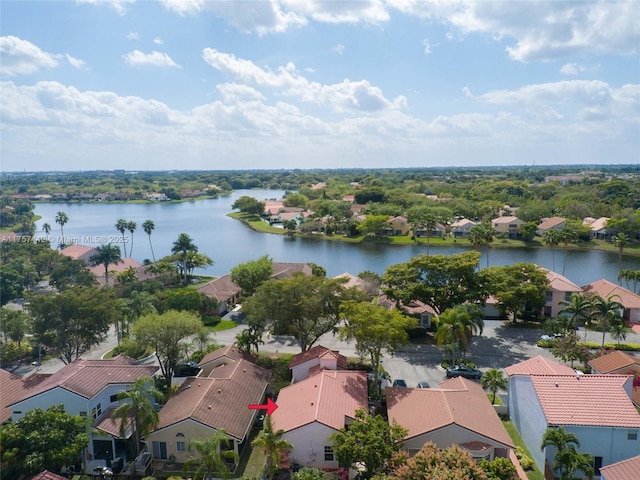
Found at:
(551, 337)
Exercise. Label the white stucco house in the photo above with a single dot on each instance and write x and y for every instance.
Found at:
(89, 389)
(308, 363)
(311, 410)
(458, 412)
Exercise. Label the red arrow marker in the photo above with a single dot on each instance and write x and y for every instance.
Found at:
(270, 407)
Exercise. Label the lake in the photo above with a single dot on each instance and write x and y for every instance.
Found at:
(229, 242)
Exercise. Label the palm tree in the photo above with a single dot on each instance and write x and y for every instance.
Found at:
(212, 457)
(46, 228)
(131, 226)
(452, 330)
(183, 245)
(121, 226)
(273, 446)
(607, 313)
(106, 255)
(494, 380)
(566, 236)
(618, 331)
(621, 240)
(552, 239)
(577, 307)
(629, 276)
(138, 406)
(61, 219)
(148, 226)
(567, 459)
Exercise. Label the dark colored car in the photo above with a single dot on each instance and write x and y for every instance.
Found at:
(424, 384)
(186, 369)
(398, 382)
(463, 371)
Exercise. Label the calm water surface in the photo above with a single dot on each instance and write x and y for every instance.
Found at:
(229, 242)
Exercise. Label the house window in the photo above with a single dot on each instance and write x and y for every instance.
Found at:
(83, 414)
(181, 447)
(159, 450)
(328, 454)
(96, 412)
(597, 465)
(113, 398)
(632, 435)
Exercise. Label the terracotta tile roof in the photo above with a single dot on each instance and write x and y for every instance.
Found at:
(560, 283)
(230, 353)
(220, 400)
(613, 361)
(414, 307)
(318, 352)
(327, 398)
(599, 224)
(625, 470)
(587, 400)
(47, 475)
(127, 262)
(505, 219)
(79, 252)
(352, 280)
(548, 223)
(112, 427)
(222, 289)
(540, 366)
(14, 387)
(463, 222)
(286, 270)
(88, 377)
(607, 289)
(457, 401)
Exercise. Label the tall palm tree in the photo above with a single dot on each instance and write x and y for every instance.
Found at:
(62, 219)
(482, 235)
(621, 240)
(552, 239)
(607, 313)
(629, 276)
(138, 407)
(273, 446)
(567, 459)
(618, 331)
(183, 245)
(452, 330)
(494, 380)
(566, 236)
(121, 226)
(577, 307)
(148, 226)
(46, 228)
(106, 255)
(131, 226)
(212, 457)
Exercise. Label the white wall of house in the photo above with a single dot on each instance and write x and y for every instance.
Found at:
(450, 435)
(527, 416)
(301, 371)
(309, 445)
(73, 403)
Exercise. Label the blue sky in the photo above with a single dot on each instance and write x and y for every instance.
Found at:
(235, 84)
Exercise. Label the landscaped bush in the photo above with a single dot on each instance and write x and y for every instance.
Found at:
(416, 332)
(210, 320)
(353, 364)
(11, 352)
(130, 348)
(526, 462)
(279, 368)
(629, 347)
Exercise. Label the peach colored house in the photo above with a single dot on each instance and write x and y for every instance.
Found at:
(552, 223)
(311, 410)
(629, 300)
(397, 226)
(507, 226)
(561, 289)
(114, 268)
(620, 363)
(80, 252)
(598, 227)
(317, 358)
(458, 412)
(624, 470)
(217, 399)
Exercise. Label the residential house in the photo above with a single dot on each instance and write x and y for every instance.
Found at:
(397, 226)
(548, 224)
(289, 213)
(217, 399)
(311, 410)
(597, 409)
(156, 197)
(598, 228)
(14, 387)
(461, 227)
(507, 226)
(89, 389)
(620, 363)
(47, 475)
(80, 252)
(629, 300)
(624, 470)
(114, 268)
(438, 230)
(456, 413)
(561, 289)
(415, 308)
(306, 364)
(533, 366)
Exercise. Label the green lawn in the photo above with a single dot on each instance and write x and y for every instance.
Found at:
(517, 440)
(223, 325)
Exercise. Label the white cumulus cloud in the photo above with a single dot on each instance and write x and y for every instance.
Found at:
(156, 59)
(339, 49)
(75, 62)
(21, 57)
(158, 41)
(427, 46)
(118, 5)
(133, 36)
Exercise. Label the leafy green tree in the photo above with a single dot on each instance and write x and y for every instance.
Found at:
(186, 299)
(121, 226)
(182, 246)
(250, 275)
(369, 441)
(72, 322)
(375, 330)
(106, 255)
(432, 463)
(148, 226)
(273, 446)
(528, 231)
(166, 334)
(62, 219)
(68, 272)
(568, 349)
(516, 286)
(372, 225)
(131, 226)
(304, 306)
(494, 380)
(248, 205)
(290, 226)
(440, 281)
(296, 200)
(212, 456)
(26, 445)
(15, 325)
(500, 468)
(567, 459)
(138, 406)
(11, 284)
